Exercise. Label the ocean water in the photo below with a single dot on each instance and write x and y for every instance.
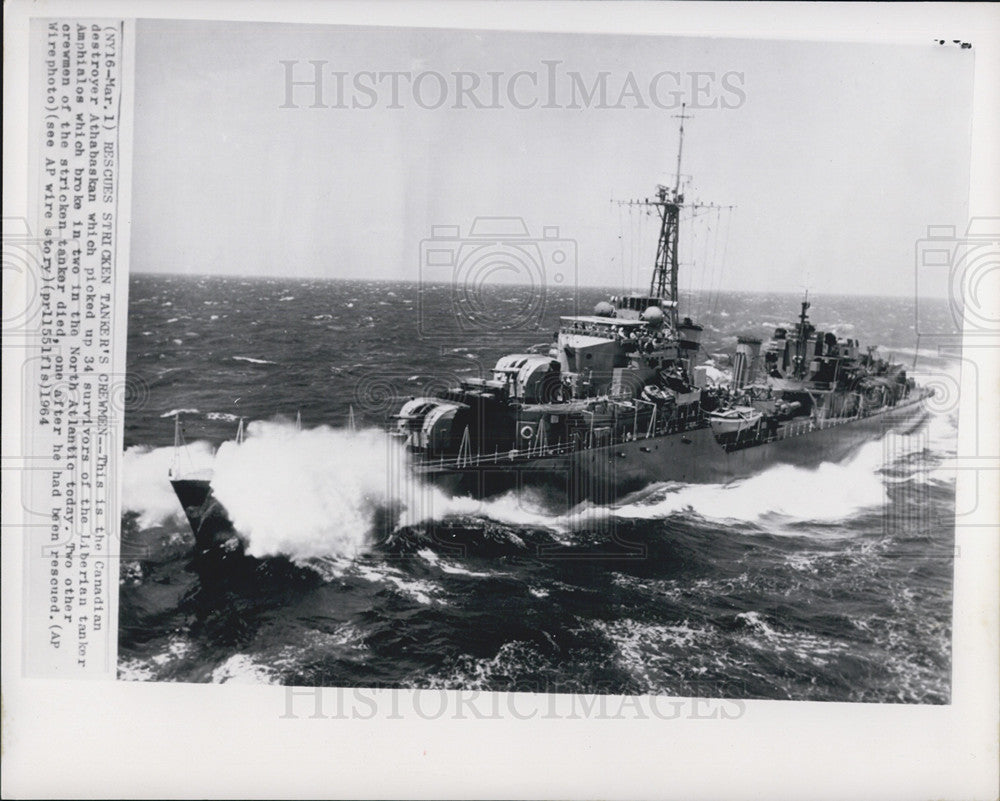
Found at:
(833, 583)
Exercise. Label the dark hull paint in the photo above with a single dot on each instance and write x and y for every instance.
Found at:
(208, 518)
(605, 474)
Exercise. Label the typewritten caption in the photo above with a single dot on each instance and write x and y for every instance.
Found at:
(73, 409)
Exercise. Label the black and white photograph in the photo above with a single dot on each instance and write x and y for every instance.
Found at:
(549, 400)
(544, 363)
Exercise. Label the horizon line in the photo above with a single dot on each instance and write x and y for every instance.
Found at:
(607, 287)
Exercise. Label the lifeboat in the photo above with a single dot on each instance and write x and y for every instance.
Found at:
(655, 394)
(734, 420)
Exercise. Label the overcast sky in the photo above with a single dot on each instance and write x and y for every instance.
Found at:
(836, 156)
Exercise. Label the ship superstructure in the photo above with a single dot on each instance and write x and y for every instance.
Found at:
(628, 371)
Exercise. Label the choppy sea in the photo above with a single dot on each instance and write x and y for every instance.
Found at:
(833, 583)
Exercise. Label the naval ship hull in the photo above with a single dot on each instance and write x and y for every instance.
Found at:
(607, 473)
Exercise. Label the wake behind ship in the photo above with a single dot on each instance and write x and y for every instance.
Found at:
(619, 402)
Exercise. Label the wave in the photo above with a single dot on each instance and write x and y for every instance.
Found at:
(325, 492)
(828, 493)
(313, 492)
(242, 669)
(251, 360)
(423, 592)
(176, 412)
(432, 558)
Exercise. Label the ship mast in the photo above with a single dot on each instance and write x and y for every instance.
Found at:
(680, 146)
(668, 203)
(803, 336)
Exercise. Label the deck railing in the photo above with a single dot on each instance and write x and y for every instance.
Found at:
(583, 443)
(786, 430)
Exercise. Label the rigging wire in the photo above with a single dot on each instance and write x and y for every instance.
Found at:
(712, 286)
(692, 248)
(725, 250)
(708, 267)
(636, 247)
(621, 245)
(631, 262)
(701, 265)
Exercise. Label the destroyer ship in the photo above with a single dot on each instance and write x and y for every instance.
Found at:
(619, 401)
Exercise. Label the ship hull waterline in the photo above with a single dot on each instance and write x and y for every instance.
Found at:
(605, 474)
(608, 473)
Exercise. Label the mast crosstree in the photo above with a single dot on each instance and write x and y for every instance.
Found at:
(668, 203)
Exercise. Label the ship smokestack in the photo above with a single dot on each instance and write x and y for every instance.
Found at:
(745, 361)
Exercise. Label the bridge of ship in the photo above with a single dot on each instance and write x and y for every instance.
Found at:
(598, 327)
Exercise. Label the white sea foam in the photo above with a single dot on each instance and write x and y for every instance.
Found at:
(251, 360)
(309, 493)
(649, 651)
(321, 492)
(715, 375)
(423, 592)
(134, 670)
(827, 493)
(241, 669)
(175, 412)
(514, 508)
(446, 567)
(146, 486)
(176, 649)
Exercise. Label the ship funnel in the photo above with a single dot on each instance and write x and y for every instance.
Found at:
(745, 361)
